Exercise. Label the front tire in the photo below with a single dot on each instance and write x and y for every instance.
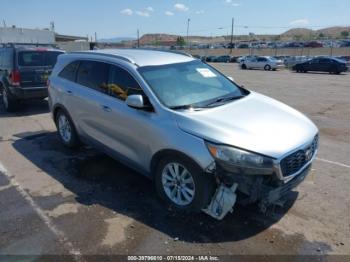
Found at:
(66, 130)
(183, 185)
(244, 67)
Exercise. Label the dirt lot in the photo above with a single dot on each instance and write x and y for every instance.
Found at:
(58, 201)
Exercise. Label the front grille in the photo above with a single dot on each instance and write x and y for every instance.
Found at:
(295, 161)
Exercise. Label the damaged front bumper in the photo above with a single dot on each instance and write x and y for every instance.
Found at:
(248, 189)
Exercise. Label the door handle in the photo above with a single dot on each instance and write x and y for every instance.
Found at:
(106, 108)
(69, 92)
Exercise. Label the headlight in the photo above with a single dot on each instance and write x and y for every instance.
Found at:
(240, 161)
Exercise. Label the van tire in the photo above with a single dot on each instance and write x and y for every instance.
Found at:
(9, 101)
(204, 184)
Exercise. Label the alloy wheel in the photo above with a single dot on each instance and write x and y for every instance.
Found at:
(64, 128)
(178, 184)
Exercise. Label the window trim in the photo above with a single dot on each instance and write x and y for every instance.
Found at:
(114, 63)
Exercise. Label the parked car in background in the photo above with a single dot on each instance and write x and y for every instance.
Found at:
(211, 58)
(24, 70)
(294, 45)
(262, 62)
(229, 45)
(345, 43)
(243, 58)
(289, 62)
(234, 59)
(313, 44)
(243, 45)
(322, 64)
(222, 59)
(205, 141)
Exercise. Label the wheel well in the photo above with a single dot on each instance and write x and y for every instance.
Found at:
(164, 153)
(58, 108)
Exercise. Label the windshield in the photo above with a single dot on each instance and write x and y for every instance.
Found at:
(192, 83)
(37, 58)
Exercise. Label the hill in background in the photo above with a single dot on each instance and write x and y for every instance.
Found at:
(290, 35)
(304, 33)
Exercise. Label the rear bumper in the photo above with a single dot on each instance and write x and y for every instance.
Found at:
(29, 92)
(278, 66)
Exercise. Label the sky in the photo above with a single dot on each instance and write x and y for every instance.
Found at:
(122, 18)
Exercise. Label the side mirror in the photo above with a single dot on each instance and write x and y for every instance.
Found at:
(135, 101)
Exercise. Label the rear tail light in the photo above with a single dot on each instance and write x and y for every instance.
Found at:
(15, 78)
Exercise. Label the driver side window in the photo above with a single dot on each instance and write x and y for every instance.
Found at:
(121, 84)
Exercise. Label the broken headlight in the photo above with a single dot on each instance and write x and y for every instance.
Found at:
(240, 161)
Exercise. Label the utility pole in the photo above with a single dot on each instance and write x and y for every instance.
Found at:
(95, 37)
(138, 38)
(188, 27)
(232, 27)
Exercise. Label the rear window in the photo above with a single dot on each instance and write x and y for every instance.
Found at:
(37, 58)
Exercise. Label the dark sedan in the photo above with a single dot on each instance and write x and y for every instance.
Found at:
(322, 64)
(222, 59)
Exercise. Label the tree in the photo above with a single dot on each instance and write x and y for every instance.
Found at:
(321, 35)
(345, 34)
(180, 41)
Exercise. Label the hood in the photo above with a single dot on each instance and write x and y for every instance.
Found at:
(256, 123)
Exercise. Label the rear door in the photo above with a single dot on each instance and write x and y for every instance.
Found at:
(35, 66)
(261, 62)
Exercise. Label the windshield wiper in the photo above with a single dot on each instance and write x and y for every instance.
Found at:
(182, 107)
(221, 100)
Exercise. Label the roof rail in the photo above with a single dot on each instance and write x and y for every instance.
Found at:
(107, 55)
(168, 51)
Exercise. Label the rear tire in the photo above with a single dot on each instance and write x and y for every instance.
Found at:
(182, 184)
(66, 130)
(267, 68)
(9, 101)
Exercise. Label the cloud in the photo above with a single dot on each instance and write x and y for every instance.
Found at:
(228, 1)
(181, 7)
(199, 12)
(236, 4)
(168, 13)
(143, 13)
(150, 9)
(126, 11)
(300, 22)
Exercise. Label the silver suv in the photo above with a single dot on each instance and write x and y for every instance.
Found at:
(207, 142)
